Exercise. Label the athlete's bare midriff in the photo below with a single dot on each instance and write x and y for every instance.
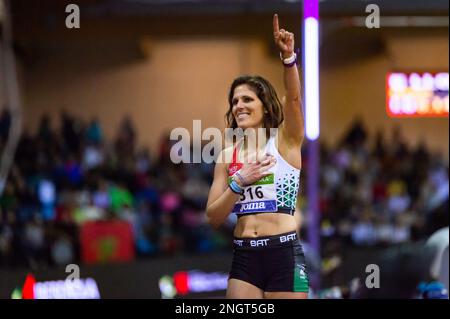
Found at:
(266, 224)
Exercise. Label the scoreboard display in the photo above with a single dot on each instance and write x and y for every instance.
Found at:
(417, 94)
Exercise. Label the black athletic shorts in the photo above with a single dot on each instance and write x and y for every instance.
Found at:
(275, 263)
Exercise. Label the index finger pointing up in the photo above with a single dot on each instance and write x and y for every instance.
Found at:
(276, 27)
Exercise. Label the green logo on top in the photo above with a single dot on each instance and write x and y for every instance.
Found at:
(263, 181)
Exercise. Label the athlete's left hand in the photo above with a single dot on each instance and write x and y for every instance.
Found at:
(284, 40)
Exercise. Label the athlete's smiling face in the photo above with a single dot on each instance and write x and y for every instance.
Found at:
(248, 109)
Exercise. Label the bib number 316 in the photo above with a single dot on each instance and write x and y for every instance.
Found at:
(252, 193)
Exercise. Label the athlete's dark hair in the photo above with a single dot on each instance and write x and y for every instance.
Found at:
(273, 111)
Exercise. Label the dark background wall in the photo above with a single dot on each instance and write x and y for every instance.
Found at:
(155, 62)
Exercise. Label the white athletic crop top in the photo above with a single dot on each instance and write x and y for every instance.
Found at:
(276, 192)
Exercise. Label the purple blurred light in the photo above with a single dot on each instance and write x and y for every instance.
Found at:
(310, 9)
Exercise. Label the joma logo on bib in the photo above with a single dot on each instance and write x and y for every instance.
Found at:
(252, 206)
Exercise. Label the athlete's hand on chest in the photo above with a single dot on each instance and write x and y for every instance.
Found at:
(254, 170)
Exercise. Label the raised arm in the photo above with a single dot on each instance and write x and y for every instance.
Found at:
(292, 129)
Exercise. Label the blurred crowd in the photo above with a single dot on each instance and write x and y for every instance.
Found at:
(381, 191)
(63, 177)
(374, 191)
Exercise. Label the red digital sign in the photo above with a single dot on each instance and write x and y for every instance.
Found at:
(417, 94)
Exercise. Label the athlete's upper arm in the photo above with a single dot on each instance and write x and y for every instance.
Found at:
(292, 128)
(220, 183)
